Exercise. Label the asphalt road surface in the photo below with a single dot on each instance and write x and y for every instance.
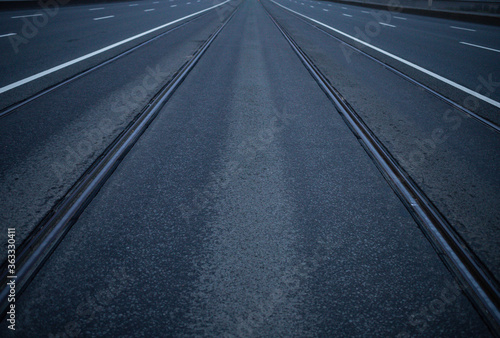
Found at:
(248, 207)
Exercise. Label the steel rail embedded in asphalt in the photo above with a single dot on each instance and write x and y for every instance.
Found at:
(440, 96)
(49, 233)
(8, 110)
(480, 286)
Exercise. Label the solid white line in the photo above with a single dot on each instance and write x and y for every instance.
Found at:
(464, 29)
(488, 48)
(96, 9)
(25, 16)
(149, 10)
(100, 51)
(408, 63)
(8, 34)
(104, 17)
(349, 15)
(386, 24)
(398, 17)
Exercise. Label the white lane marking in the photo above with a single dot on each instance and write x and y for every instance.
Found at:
(386, 24)
(397, 58)
(8, 34)
(149, 10)
(366, 12)
(329, 5)
(156, 2)
(25, 16)
(301, 3)
(349, 15)
(188, 3)
(398, 17)
(104, 17)
(464, 29)
(473, 45)
(312, 6)
(100, 51)
(133, 5)
(173, 6)
(96, 9)
(343, 7)
(326, 10)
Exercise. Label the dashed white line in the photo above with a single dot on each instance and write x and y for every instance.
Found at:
(173, 6)
(302, 3)
(326, 10)
(349, 15)
(343, 7)
(366, 12)
(399, 18)
(156, 2)
(25, 16)
(188, 3)
(400, 59)
(464, 29)
(312, 6)
(149, 10)
(133, 5)
(104, 17)
(478, 46)
(8, 34)
(96, 9)
(386, 24)
(100, 51)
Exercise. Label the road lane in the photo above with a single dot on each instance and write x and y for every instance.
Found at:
(427, 42)
(453, 158)
(47, 144)
(72, 33)
(247, 208)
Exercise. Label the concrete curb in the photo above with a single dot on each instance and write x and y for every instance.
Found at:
(488, 19)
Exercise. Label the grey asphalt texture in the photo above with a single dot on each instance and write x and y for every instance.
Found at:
(46, 145)
(248, 208)
(453, 158)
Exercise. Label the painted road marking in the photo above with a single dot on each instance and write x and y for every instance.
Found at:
(464, 29)
(386, 24)
(104, 17)
(349, 15)
(8, 34)
(25, 16)
(488, 48)
(149, 10)
(96, 9)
